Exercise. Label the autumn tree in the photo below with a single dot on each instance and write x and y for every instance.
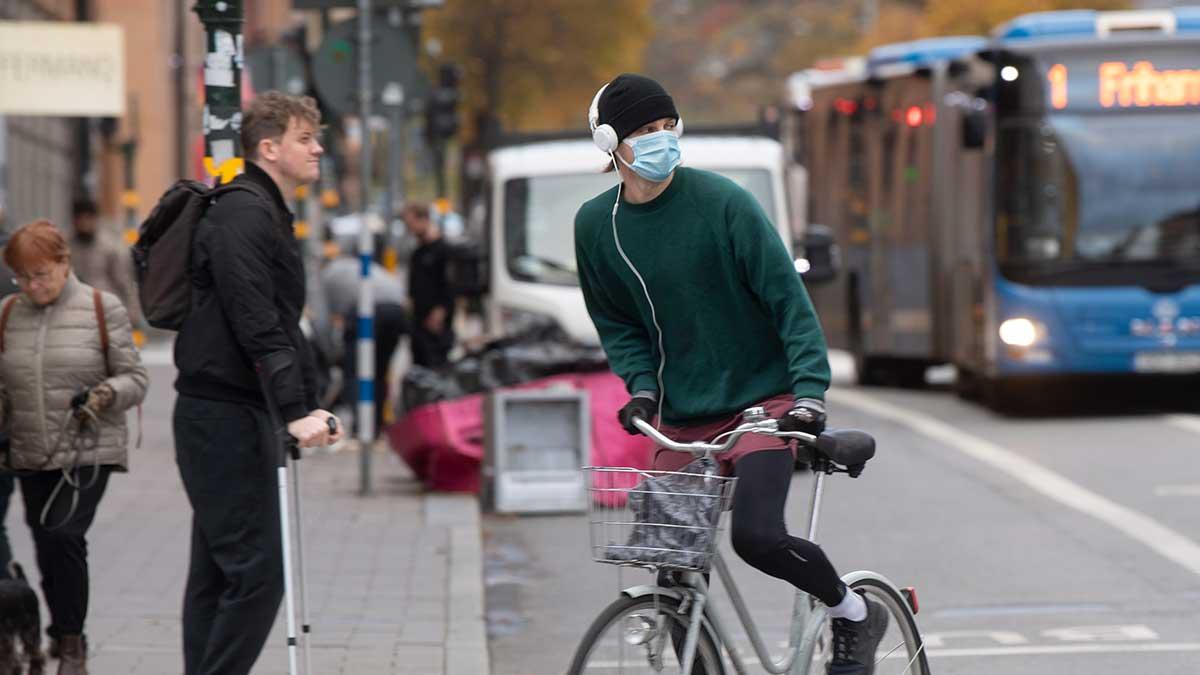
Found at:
(949, 17)
(535, 64)
(900, 21)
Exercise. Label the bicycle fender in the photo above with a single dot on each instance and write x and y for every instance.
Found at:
(851, 577)
(651, 589)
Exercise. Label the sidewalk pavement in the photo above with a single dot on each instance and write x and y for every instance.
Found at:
(395, 580)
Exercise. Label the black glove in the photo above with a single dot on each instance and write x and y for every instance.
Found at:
(80, 399)
(95, 400)
(638, 406)
(807, 415)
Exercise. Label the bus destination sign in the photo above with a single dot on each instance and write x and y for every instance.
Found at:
(1119, 84)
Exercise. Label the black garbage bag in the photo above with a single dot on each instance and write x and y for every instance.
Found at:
(524, 362)
(541, 351)
(425, 385)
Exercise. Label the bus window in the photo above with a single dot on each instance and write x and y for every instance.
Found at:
(1031, 220)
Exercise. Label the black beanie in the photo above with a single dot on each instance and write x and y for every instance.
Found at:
(631, 101)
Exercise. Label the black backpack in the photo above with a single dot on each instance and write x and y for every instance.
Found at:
(162, 254)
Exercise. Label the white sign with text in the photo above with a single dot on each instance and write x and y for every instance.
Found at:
(62, 69)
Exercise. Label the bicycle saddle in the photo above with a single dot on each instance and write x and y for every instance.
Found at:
(848, 447)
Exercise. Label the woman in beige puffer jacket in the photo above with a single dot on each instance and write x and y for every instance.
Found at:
(53, 339)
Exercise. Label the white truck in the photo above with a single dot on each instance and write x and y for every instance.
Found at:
(536, 188)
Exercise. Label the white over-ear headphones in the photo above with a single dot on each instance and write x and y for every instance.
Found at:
(603, 135)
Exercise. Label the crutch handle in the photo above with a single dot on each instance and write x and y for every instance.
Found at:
(267, 368)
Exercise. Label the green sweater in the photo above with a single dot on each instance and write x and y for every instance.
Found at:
(737, 324)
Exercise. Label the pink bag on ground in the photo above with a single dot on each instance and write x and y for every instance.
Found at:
(443, 442)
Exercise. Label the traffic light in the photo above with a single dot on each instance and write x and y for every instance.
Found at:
(441, 115)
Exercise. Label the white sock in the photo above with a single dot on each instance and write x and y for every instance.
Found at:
(852, 607)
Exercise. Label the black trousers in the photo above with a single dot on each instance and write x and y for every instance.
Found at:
(430, 350)
(60, 544)
(760, 535)
(227, 458)
(391, 323)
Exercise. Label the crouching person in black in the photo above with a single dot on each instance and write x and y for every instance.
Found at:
(247, 297)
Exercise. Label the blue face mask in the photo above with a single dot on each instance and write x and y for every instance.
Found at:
(655, 155)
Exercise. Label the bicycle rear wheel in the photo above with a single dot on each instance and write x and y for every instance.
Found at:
(901, 651)
(626, 639)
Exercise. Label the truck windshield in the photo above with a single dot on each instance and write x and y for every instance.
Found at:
(539, 219)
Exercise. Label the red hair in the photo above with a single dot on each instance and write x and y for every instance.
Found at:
(34, 243)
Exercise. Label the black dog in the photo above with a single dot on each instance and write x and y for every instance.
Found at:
(20, 625)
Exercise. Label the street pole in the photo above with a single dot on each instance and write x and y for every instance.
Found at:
(222, 21)
(439, 166)
(129, 196)
(393, 99)
(366, 304)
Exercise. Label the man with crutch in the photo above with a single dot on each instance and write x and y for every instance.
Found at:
(247, 276)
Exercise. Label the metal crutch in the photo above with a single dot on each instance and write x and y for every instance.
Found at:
(267, 369)
(305, 626)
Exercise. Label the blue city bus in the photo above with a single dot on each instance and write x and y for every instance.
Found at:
(1024, 206)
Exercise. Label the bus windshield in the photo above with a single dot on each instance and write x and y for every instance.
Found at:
(539, 219)
(1099, 190)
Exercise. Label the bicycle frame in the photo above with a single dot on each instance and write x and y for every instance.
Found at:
(808, 618)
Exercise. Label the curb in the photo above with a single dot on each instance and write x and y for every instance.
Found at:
(466, 648)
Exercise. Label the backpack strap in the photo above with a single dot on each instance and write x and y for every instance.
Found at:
(245, 185)
(254, 188)
(102, 324)
(98, 302)
(4, 318)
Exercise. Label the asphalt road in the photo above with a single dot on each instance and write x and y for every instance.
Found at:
(1063, 543)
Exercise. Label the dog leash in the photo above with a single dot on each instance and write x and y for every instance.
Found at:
(71, 472)
(79, 444)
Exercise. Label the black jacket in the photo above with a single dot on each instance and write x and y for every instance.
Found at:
(429, 280)
(247, 297)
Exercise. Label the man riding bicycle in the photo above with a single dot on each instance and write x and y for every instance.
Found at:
(702, 314)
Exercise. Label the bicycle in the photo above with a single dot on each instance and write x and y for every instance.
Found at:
(631, 634)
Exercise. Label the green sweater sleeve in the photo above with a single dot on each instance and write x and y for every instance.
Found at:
(767, 269)
(624, 337)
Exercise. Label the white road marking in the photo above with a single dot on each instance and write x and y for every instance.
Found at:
(1177, 491)
(1185, 422)
(1139, 527)
(1027, 650)
(1000, 637)
(1067, 649)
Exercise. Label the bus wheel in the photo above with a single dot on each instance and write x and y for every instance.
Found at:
(966, 384)
(910, 374)
(1004, 397)
(869, 371)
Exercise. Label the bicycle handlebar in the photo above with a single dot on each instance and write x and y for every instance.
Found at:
(766, 427)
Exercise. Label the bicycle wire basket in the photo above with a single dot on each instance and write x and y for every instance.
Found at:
(656, 519)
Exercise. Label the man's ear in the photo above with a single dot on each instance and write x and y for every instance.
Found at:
(268, 149)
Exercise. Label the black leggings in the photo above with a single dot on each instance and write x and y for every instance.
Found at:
(760, 535)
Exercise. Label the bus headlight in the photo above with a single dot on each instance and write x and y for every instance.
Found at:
(1019, 332)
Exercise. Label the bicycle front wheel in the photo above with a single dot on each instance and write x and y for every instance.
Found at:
(902, 651)
(639, 636)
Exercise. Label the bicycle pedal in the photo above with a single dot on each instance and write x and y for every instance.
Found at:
(910, 596)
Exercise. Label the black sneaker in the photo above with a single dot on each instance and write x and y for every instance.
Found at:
(855, 642)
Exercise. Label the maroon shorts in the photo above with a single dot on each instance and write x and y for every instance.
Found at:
(669, 460)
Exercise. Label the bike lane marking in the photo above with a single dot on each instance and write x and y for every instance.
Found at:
(1133, 524)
